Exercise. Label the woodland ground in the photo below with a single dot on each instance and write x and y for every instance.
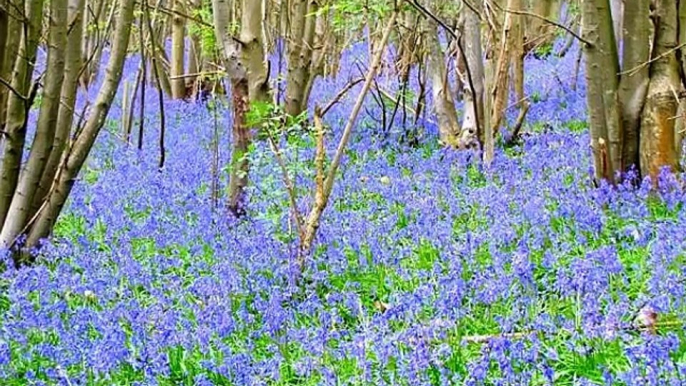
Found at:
(420, 251)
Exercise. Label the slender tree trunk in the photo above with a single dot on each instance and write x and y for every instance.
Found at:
(20, 208)
(178, 83)
(94, 30)
(247, 70)
(17, 108)
(444, 105)
(77, 154)
(657, 145)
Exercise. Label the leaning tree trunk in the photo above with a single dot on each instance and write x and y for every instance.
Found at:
(444, 105)
(18, 106)
(658, 145)
(20, 207)
(78, 152)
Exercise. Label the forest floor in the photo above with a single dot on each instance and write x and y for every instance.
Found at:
(429, 269)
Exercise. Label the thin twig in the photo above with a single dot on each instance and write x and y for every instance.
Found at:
(634, 70)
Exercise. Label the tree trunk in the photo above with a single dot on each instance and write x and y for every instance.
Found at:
(444, 105)
(77, 154)
(657, 147)
(12, 31)
(634, 85)
(241, 140)
(65, 115)
(602, 67)
(299, 47)
(178, 83)
(473, 104)
(17, 108)
(94, 30)
(253, 52)
(20, 208)
(244, 60)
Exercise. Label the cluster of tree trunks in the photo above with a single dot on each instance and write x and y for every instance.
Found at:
(33, 193)
(636, 110)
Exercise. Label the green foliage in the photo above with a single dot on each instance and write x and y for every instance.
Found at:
(204, 32)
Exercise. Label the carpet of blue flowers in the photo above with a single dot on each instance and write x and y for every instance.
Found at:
(429, 269)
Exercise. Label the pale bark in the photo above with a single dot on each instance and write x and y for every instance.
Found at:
(602, 67)
(444, 105)
(17, 108)
(178, 83)
(474, 104)
(77, 154)
(253, 53)
(20, 208)
(634, 83)
(657, 147)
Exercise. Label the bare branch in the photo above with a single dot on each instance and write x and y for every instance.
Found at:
(13, 90)
(340, 95)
